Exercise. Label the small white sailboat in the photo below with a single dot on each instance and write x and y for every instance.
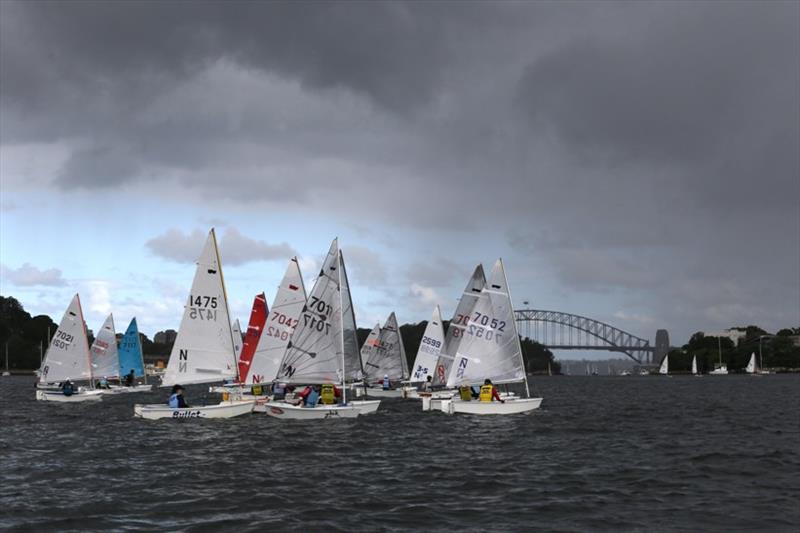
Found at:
(67, 358)
(386, 357)
(752, 367)
(204, 350)
(104, 355)
(694, 367)
(430, 347)
(490, 349)
(664, 368)
(323, 349)
(7, 371)
(720, 369)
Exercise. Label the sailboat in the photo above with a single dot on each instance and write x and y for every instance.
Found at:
(490, 349)
(237, 339)
(255, 328)
(386, 357)
(7, 371)
(104, 357)
(204, 350)
(752, 367)
(458, 325)
(694, 367)
(720, 369)
(131, 358)
(664, 368)
(67, 357)
(323, 349)
(430, 347)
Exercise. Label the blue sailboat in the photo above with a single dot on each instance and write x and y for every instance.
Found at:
(131, 359)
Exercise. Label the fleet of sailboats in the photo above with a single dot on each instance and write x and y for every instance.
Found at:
(310, 340)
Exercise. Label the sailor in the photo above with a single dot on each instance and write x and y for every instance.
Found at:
(103, 383)
(427, 386)
(329, 393)
(312, 398)
(67, 388)
(130, 378)
(465, 391)
(176, 400)
(489, 392)
(386, 383)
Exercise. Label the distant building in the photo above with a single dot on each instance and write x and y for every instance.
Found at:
(735, 335)
(165, 337)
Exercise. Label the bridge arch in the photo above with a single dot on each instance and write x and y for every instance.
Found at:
(565, 331)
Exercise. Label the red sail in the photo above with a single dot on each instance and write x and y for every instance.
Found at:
(258, 317)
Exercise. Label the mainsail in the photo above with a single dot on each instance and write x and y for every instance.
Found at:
(315, 352)
(204, 350)
(105, 360)
(664, 369)
(489, 347)
(458, 325)
(388, 356)
(751, 365)
(67, 356)
(258, 316)
(694, 364)
(429, 348)
(130, 351)
(369, 347)
(281, 322)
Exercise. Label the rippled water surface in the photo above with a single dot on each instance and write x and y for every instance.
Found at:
(630, 453)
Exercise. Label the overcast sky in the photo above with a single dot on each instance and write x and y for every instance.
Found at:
(636, 162)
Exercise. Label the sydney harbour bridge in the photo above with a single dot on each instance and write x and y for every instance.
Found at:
(565, 331)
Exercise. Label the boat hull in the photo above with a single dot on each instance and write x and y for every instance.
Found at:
(45, 395)
(511, 406)
(229, 409)
(118, 389)
(367, 407)
(376, 392)
(287, 411)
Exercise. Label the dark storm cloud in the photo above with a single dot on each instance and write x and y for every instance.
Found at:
(640, 147)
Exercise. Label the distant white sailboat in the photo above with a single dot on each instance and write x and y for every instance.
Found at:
(104, 355)
(664, 368)
(7, 371)
(67, 358)
(204, 350)
(385, 357)
(694, 367)
(720, 369)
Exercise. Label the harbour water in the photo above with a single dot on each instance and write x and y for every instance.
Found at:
(604, 453)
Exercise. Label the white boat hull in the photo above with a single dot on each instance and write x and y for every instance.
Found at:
(287, 411)
(58, 396)
(512, 406)
(367, 407)
(118, 389)
(227, 409)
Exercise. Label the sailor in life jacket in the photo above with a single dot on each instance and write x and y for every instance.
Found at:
(67, 388)
(489, 392)
(176, 399)
(329, 394)
(312, 398)
(278, 390)
(387, 384)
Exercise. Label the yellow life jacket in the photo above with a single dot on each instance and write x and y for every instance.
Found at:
(486, 393)
(328, 394)
(466, 393)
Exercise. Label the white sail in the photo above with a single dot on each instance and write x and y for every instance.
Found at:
(204, 351)
(67, 356)
(315, 352)
(458, 325)
(282, 318)
(664, 368)
(429, 348)
(104, 356)
(369, 348)
(694, 364)
(352, 360)
(237, 339)
(388, 356)
(489, 347)
(751, 365)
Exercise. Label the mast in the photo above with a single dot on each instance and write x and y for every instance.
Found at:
(516, 334)
(227, 310)
(719, 348)
(341, 323)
